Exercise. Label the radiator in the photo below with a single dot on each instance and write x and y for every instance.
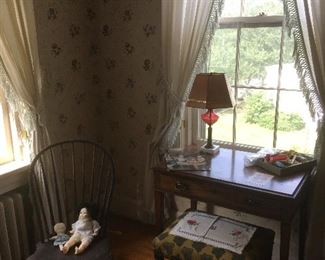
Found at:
(13, 230)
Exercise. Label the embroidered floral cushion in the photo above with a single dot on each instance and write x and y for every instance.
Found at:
(175, 247)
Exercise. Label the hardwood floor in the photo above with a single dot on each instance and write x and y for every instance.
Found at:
(131, 240)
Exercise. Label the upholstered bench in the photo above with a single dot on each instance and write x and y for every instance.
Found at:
(175, 247)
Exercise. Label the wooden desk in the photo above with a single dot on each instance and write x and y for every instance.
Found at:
(229, 184)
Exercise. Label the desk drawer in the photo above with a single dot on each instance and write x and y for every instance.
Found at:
(221, 194)
(187, 187)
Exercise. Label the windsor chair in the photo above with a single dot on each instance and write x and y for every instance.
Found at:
(64, 176)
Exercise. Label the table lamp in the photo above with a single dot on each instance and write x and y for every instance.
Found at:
(210, 91)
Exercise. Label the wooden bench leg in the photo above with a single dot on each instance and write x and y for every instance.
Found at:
(158, 255)
(193, 204)
(159, 209)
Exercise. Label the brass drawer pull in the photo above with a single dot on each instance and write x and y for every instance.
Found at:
(180, 186)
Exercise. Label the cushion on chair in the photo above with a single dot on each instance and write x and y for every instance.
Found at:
(175, 247)
(98, 250)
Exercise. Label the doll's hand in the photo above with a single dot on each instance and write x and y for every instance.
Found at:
(71, 231)
(96, 231)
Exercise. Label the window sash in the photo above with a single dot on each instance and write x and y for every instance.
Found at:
(251, 22)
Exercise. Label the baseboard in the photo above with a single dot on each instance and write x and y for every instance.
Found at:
(126, 207)
(131, 208)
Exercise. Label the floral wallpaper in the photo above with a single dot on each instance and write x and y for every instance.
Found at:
(130, 44)
(100, 59)
(65, 36)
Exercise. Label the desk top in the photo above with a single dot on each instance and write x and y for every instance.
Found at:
(228, 166)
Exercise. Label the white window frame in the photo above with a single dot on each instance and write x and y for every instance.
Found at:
(13, 169)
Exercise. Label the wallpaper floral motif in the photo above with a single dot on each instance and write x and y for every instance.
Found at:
(101, 60)
(66, 30)
(130, 55)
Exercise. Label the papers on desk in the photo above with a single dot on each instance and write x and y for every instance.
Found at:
(259, 179)
(187, 163)
(214, 230)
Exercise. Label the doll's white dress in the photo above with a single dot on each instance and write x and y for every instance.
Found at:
(85, 230)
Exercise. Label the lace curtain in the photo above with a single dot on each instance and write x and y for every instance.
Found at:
(187, 29)
(306, 24)
(19, 66)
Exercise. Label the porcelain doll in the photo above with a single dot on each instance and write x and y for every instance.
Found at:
(61, 237)
(83, 231)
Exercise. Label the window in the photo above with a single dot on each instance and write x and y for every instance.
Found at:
(13, 138)
(252, 47)
(6, 144)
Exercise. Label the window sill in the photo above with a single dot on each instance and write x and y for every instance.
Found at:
(224, 144)
(13, 175)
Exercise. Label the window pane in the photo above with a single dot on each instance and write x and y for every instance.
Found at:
(231, 8)
(296, 129)
(222, 129)
(255, 117)
(268, 7)
(259, 53)
(223, 53)
(289, 77)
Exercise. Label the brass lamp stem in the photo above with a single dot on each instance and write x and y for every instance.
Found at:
(209, 141)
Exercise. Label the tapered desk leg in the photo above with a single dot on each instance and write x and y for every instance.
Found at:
(302, 231)
(193, 204)
(210, 208)
(285, 240)
(159, 209)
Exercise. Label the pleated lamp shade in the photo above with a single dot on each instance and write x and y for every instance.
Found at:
(210, 90)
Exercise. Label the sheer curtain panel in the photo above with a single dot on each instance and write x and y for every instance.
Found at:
(20, 61)
(186, 30)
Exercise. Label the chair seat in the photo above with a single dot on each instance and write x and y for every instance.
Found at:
(98, 250)
(175, 247)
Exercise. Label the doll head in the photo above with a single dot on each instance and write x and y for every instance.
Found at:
(86, 212)
(59, 228)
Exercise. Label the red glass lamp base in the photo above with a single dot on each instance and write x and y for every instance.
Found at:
(209, 117)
